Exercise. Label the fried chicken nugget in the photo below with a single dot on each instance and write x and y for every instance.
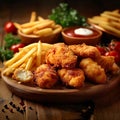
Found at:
(23, 75)
(84, 51)
(108, 63)
(45, 76)
(61, 56)
(94, 72)
(72, 77)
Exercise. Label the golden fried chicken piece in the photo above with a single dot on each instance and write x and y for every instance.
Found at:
(72, 77)
(61, 56)
(93, 71)
(84, 51)
(23, 75)
(45, 76)
(108, 63)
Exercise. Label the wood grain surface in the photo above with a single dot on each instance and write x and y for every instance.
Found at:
(12, 107)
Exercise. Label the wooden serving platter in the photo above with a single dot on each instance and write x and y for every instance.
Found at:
(62, 94)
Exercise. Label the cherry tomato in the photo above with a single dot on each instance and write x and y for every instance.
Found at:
(101, 49)
(15, 48)
(115, 54)
(115, 45)
(10, 28)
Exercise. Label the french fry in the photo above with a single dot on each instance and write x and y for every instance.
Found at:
(8, 71)
(114, 14)
(20, 61)
(109, 21)
(30, 24)
(33, 16)
(57, 29)
(39, 51)
(39, 27)
(36, 24)
(18, 26)
(44, 32)
(45, 24)
(30, 46)
(111, 29)
(14, 59)
(40, 19)
(116, 11)
(23, 65)
(29, 57)
(29, 30)
(29, 63)
(109, 17)
(46, 46)
(115, 24)
(98, 19)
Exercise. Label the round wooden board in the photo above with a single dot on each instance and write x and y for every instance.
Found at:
(62, 95)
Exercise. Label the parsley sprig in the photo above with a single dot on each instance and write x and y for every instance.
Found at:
(5, 52)
(67, 16)
(10, 40)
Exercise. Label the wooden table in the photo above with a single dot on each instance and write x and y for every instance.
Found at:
(13, 107)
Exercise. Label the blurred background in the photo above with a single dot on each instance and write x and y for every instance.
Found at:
(15, 9)
(20, 10)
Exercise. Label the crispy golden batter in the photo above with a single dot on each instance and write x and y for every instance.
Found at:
(84, 51)
(23, 75)
(108, 63)
(61, 56)
(72, 77)
(45, 76)
(93, 71)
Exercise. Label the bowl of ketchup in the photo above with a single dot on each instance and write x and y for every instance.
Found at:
(79, 35)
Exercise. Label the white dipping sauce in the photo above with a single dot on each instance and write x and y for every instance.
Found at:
(83, 31)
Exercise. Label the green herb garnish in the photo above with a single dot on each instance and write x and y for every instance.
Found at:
(67, 16)
(5, 52)
(11, 40)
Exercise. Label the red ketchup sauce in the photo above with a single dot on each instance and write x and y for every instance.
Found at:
(71, 32)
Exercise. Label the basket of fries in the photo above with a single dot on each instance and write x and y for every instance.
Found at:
(108, 22)
(36, 29)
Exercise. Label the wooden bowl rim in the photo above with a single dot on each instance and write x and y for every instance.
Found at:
(28, 36)
(82, 38)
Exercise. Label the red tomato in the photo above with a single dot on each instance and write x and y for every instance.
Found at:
(10, 28)
(15, 48)
(115, 45)
(101, 49)
(115, 54)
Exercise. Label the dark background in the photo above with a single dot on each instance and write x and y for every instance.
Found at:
(87, 8)
(20, 10)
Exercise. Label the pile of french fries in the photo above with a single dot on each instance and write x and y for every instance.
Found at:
(38, 26)
(109, 21)
(28, 58)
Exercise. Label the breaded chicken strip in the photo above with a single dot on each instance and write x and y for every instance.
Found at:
(84, 51)
(108, 63)
(93, 71)
(23, 75)
(45, 76)
(72, 77)
(61, 56)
